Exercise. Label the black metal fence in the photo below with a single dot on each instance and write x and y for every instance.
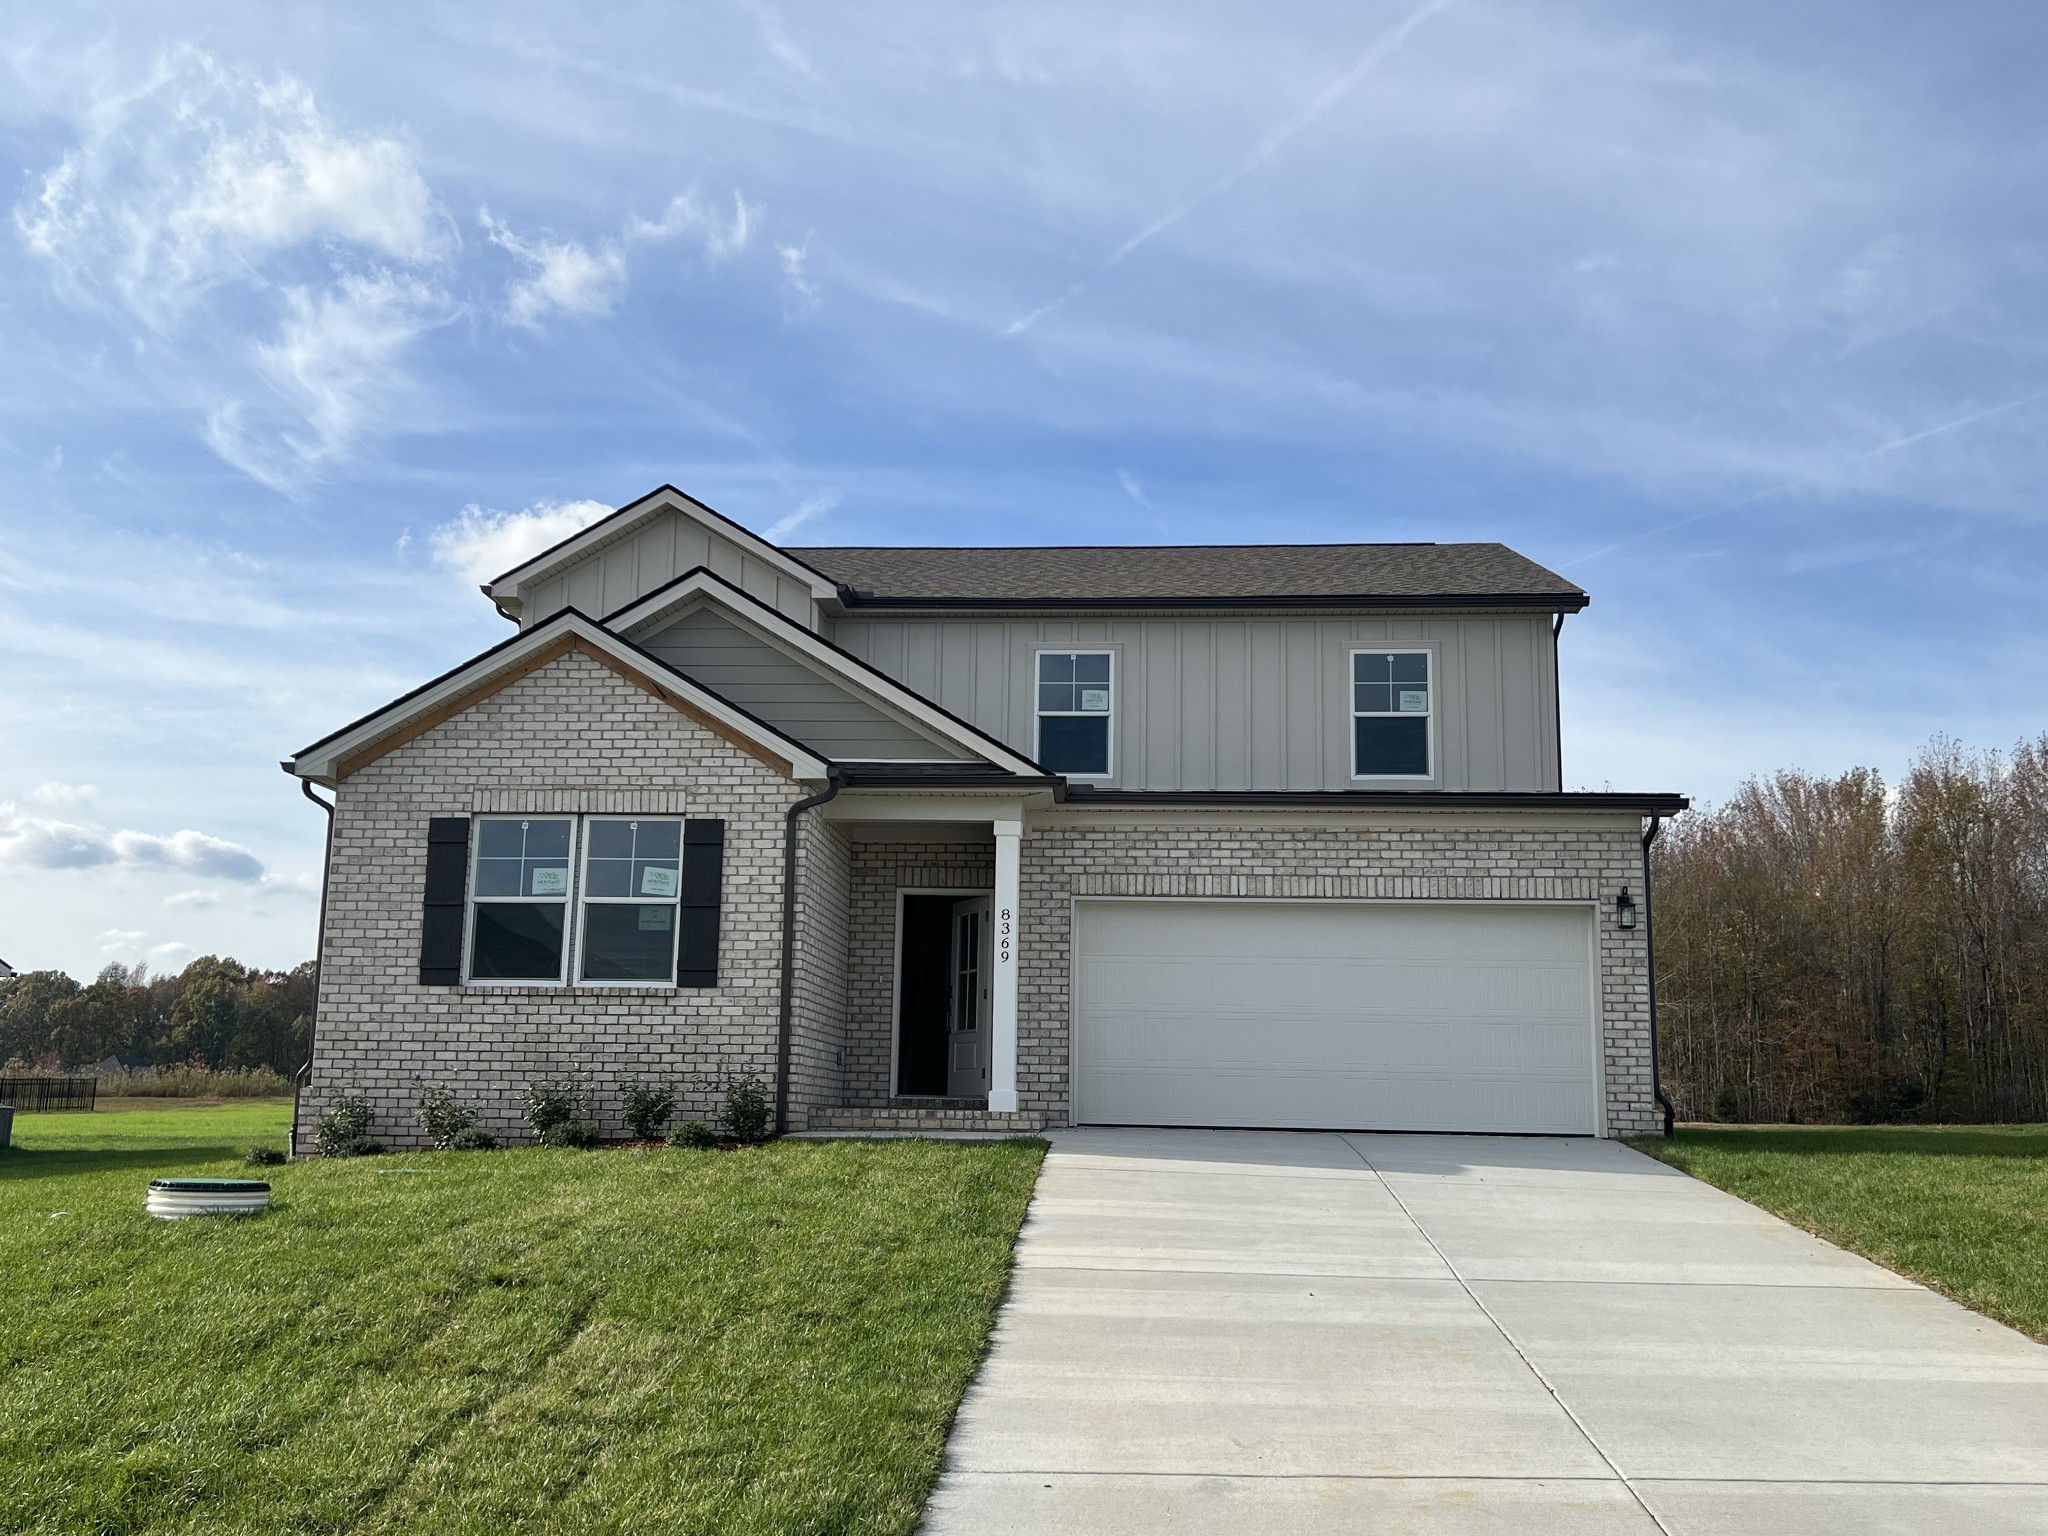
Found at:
(27, 1093)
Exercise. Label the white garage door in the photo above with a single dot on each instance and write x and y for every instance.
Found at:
(1394, 1016)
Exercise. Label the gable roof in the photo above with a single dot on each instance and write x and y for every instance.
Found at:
(704, 585)
(659, 502)
(337, 755)
(1201, 575)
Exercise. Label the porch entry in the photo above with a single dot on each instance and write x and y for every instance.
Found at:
(943, 996)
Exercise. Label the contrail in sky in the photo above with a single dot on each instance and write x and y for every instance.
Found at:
(1383, 46)
(1798, 480)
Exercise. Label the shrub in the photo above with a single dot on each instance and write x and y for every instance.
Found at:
(647, 1106)
(264, 1157)
(693, 1133)
(552, 1101)
(443, 1116)
(472, 1138)
(746, 1109)
(570, 1133)
(344, 1131)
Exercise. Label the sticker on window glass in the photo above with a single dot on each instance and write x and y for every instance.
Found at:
(657, 882)
(1095, 698)
(550, 882)
(655, 919)
(1414, 699)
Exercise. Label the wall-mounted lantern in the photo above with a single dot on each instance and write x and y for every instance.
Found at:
(1624, 910)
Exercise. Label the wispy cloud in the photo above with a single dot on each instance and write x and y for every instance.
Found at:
(1382, 47)
(1132, 487)
(808, 510)
(568, 277)
(796, 273)
(41, 842)
(481, 542)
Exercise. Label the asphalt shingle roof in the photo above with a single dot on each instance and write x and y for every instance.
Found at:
(1407, 573)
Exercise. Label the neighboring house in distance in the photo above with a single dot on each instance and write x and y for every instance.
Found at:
(994, 838)
(119, 1066)
(6, 970)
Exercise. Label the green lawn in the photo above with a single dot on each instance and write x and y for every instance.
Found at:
(1961, 1208)
(771, 1340)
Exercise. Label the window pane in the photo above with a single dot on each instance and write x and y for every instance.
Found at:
(611, 839)
(1410, 667)
(1092, 667)
(547, 839)
(500, 839)
(1074, 743)
(517, 941)
(611, 877)
(1411, 701)
(1055, 696)
(658, 840)
(1372, 698)
(1094, 701)
(1055, 667)
(629, 942)
(1372, 667)
(497, 877)
(1393, 744)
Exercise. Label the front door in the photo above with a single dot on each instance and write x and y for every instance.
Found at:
(968, 1002)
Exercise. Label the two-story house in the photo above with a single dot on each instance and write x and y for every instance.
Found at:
(994, 838)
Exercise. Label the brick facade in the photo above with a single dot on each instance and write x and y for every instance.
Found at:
(570, 737)
(1530, 858)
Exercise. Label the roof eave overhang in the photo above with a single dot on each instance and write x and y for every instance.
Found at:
(1533, 602)
(1562, 802)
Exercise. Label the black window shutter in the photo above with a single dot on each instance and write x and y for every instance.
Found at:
(447, 893)
(703, 879)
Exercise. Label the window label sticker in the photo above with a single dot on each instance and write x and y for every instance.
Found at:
(657, 882)
(1095, 698)
(1414, 700)
(550, 882)
(654, 919)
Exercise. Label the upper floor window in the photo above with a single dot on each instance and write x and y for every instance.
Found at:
(1390, 710)
(1074, 712)
(524, 888)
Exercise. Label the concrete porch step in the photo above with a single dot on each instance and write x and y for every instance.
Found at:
(928, 1116)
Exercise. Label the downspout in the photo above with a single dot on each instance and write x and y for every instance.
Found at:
(788, 1004)
(305, 1073)
(1650, 961)
(1557, 696)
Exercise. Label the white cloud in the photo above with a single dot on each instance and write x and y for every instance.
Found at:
(41, 842)
(796, 272)
(482, 543)
(811, 507)
(195, 177)
(567, 277)
(115, 941)
(53, 792)
(1132, 487)
(192, 899)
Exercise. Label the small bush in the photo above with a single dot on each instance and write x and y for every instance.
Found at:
(693, 1133)
(344, 1131)
(647, 1106)
(264, 1157)
(472, 1138)
(746, 1110)
(553, 1101)
(443, 1116)
(570, 1133)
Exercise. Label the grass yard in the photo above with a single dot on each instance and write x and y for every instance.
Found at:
(771, 1340)
(1961, 1208)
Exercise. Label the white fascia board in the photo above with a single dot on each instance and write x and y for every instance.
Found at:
(700, 586)
(321, 761)
(622, 522)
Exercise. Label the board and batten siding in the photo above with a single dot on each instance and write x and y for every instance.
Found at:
(1249, 704)
(790, 696)
(626, 570)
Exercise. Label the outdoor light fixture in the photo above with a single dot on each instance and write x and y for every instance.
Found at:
(1624, 909)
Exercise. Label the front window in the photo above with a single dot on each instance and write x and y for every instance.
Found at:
(1074, 712)
(632, 882)
(520, 917)
(1390, 710)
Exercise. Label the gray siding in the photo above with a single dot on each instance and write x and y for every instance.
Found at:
(626, 570)
(1253, 703)
(790, 696)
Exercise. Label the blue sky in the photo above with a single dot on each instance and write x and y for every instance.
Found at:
(1734, 314)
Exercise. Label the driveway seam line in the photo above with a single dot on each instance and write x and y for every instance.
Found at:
(1521, 1354)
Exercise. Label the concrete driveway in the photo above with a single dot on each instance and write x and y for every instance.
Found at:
(1244, 1331)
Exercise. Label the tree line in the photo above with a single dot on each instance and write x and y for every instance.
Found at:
(1840, 949)
(215, 1013)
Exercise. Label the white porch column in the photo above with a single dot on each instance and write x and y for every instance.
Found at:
(1002, 1069)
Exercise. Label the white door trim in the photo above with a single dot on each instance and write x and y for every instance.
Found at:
(964, 892)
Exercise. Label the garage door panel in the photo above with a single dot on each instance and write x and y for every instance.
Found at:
(1410, 1017)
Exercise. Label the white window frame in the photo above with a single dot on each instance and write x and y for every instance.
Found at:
(1077, 648)
(1354, 714)
(585, 901)
(473, 901)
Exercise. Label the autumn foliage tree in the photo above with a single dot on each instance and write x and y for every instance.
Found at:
(1840, 950)
(216, 1013)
